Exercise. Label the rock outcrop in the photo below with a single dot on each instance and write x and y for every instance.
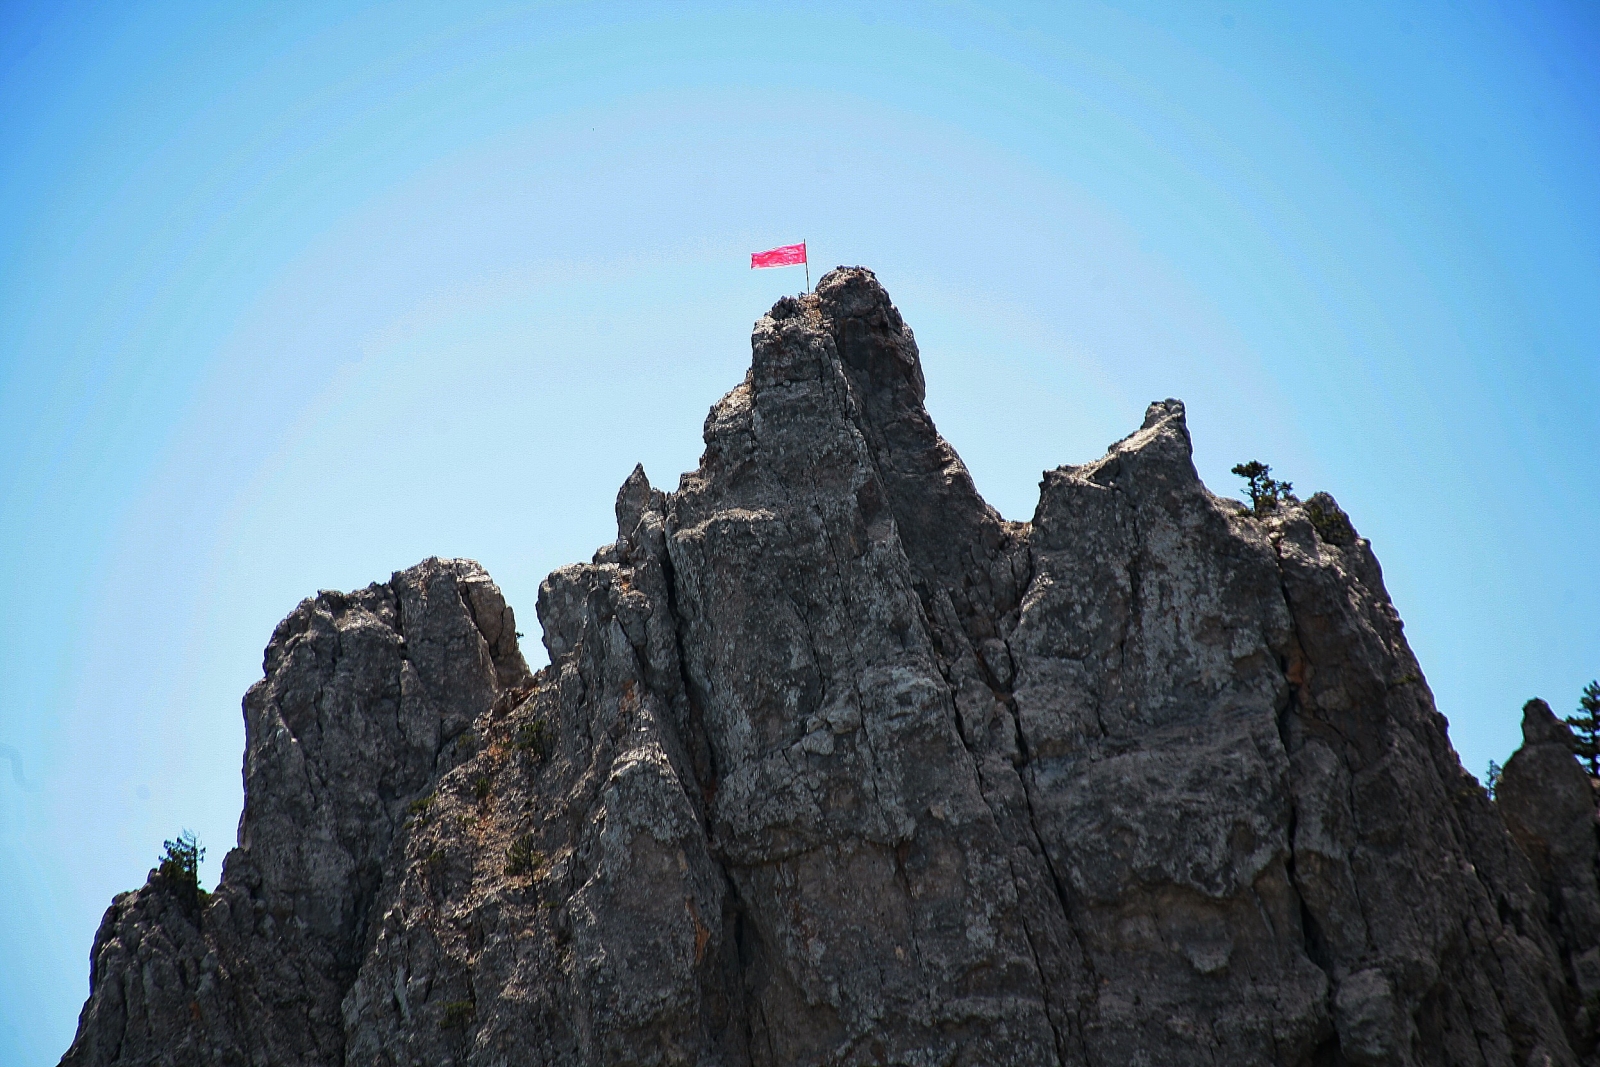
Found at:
(834, 765)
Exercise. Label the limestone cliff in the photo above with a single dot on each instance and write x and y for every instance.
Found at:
(833, 765)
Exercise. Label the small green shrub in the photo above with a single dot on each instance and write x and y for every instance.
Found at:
(1265, 491)
(1491, 780)
(482, 786)
(1332, 524)
(434, 863)
(457, 1014)
(422, 805)
(180, 861)
(535, 739)
(522, 858)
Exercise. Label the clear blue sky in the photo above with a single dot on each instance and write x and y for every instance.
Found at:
(294, 295)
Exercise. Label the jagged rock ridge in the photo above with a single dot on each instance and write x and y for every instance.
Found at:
(832, 765)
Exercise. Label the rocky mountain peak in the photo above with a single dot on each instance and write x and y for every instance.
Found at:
(833, 765)
(1540, 726)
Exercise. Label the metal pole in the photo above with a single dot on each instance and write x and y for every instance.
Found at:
(807, 253)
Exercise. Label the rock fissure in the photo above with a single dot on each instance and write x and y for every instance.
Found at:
(1063, 901)
(1285, 721)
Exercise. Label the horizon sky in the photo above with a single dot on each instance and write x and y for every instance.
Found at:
(295, 296)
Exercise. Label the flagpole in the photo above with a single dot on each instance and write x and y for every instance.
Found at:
(807, 252)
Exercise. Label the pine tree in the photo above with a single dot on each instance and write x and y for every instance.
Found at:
(1586, 728)
(180, 863)
(1265, 491)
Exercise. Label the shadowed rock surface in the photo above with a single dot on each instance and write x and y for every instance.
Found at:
(833, 765)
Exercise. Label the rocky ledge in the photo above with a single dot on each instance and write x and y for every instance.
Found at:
(833, 765)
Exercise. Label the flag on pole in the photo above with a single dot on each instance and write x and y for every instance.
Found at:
(786, 256)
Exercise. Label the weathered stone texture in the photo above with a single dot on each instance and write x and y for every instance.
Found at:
(833, 765)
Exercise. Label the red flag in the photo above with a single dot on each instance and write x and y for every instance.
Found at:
(787, 256)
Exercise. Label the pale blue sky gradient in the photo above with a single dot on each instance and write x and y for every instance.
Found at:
(292, 296)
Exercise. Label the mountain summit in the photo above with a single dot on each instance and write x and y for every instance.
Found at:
(833, 765)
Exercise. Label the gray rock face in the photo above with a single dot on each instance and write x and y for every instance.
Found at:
(833, 765)
(1548, 802)
(368, 697)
